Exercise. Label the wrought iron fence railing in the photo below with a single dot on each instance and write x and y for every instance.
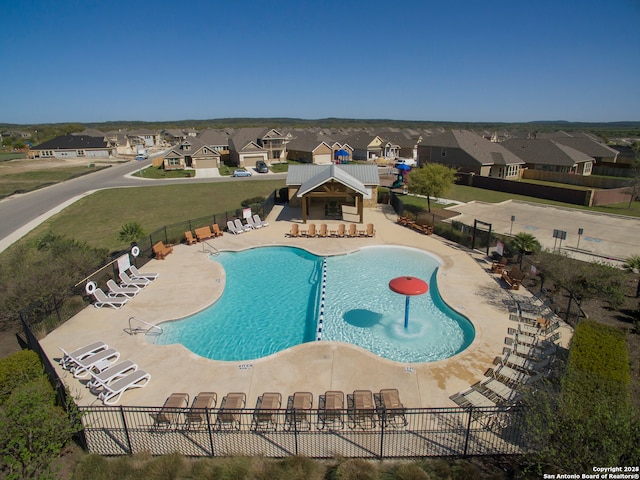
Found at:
(348, 433)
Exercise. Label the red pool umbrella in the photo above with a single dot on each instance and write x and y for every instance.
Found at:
(408, 286)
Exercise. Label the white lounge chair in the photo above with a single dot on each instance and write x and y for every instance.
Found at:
(100, 361)
(253, 224)
(127, 281)
(103, 300)
(135, 274)
(111, 374)
(258, 221)
(240, 226)
(111, 394)
(69, 360)
(115, 289)
(232, 228)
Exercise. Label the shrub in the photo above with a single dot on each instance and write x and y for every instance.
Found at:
(33, 430)
(356, 469)
(17, 369)
(252, 201)
(586, 418)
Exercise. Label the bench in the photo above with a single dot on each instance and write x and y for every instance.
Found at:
(204, 233)
(160, 250)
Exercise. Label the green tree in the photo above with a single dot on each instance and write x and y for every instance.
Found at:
(131, 232)
(432, 180)
(632, 264)
(33, 431)
(525, 244)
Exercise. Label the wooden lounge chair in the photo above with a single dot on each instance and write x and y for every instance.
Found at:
(370, 231)
(170, 411)
(204, 233)
(189, 238)
(323, 232)
(294, 232)
(311, 232)
(215, 228)
(497, 266)
(352, 231)
(513, 277)
(341, 230)
(160, 250)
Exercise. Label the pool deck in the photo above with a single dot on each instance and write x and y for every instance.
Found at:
(189, 282)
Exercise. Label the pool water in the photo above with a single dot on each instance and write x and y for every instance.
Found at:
(271, 302)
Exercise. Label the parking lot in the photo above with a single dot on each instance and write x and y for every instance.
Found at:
(605, 237)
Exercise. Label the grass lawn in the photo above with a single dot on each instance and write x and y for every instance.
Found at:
(32, 180)
(97, 218)
(160, 173)
(4, 156)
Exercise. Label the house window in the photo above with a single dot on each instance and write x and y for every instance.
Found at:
(173, 162)
(443, 152)
(80, 153)
(587, 168)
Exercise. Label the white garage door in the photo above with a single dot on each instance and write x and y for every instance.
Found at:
(322, 158)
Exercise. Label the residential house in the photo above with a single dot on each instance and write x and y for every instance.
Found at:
(317, 147)
(371, 147)
(190, 153)
(144, 137)
(550, 155)
(469, 152)
(315, 188)
(72, 146)
(250, 145)
(585, 143)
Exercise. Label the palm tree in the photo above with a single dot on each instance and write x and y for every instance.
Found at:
(632, 264)
(525, 244)
(131, 232)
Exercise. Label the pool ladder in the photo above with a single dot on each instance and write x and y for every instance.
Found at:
(323, 291)
(146, 327)
(214, 251)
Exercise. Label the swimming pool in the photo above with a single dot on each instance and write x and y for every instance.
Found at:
(271, 302)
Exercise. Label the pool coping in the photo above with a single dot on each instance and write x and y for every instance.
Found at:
(187, 284)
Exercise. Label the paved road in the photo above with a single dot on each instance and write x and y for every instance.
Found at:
(19, 214)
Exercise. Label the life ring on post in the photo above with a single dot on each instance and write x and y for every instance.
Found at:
(90, 287)
(135, 251)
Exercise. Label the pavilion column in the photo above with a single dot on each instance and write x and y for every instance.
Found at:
(304, 209)
(360, 202)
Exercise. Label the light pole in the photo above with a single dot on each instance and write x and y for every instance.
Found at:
(513, 219)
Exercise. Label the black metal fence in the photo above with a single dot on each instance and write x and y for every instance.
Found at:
(419, 432)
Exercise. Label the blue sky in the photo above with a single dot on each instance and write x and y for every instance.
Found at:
(500, 61)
